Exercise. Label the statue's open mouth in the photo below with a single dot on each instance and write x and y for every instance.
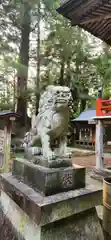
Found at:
(61, 101)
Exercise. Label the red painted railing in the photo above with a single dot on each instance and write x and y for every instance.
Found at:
(103, 107)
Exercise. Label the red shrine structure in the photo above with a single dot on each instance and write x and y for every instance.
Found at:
(103, 107)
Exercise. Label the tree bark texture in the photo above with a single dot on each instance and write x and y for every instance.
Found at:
(61, 79)
(38, 60)
(23, 68)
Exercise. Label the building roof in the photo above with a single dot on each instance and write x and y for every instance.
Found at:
(8, 114)
(101, 118)
(91, 15)
(86, 115)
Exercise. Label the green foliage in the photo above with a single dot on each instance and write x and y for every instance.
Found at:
(66, 56)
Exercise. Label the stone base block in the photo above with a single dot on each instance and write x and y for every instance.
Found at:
(68, 216)
(7, 230)
(49, 180)
(56, 163)
(50, 208)
(81, 226)
(100, 174)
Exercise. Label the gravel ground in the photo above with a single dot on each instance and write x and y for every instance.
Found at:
(90, 161)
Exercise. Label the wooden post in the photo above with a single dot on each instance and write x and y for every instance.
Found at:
(91, 134)
(7, 143)
(99, 145)
(2, 139)
(80, 136)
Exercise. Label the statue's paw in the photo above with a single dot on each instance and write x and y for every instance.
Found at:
(68, 154)
(29, 145)
(24, 145)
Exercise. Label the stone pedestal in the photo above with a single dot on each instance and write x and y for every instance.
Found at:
(49, 180)
(68, 215)
(56, 163)
(100, 174)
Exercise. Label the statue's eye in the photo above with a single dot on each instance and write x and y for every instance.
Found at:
(57, 92)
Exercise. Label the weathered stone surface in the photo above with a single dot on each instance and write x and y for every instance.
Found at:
(7, 231)
(62, 216)
(84, 226)
(100, 174)
(19, 224)
(50, 126)
(107, 219)
(44, 210)
(49, 180)
(56, 163)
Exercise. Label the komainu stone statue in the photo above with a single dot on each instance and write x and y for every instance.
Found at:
(50, 126)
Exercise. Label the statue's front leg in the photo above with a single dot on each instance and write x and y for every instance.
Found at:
(63, 151)
(46, 149)
(33, 140)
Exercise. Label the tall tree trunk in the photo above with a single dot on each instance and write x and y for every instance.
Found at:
(75, 95)
(82, 105)
(38, 59)
(23, 68)
(61, 79)
(84, 101)
(74, 92)
(14, 91)
(68, 73)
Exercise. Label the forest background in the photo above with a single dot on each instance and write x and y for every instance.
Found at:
(39, 47)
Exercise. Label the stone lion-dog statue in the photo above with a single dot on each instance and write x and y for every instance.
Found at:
(50, 126)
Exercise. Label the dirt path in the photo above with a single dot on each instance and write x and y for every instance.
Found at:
(89, 161)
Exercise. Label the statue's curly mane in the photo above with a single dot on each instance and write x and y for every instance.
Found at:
(49, 97)
(47, 100)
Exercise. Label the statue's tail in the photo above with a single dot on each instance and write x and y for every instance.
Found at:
(32, 136)
(33, 121)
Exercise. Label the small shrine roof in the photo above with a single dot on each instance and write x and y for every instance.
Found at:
(7, 114)
(101, 118)
(86, 115)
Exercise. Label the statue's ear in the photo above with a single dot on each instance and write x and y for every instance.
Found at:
(33, 121)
